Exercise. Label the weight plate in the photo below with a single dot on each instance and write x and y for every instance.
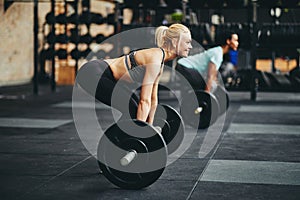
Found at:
(149, 163)
(174, 136)
(208, 104)
(223, 99)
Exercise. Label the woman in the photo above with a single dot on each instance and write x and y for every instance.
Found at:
(99, 77)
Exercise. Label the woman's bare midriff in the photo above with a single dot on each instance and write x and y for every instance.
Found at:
(118, 68)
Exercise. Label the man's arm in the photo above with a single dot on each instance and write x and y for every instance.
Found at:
(211, 76)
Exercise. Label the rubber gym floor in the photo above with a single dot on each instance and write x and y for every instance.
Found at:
(255, 155)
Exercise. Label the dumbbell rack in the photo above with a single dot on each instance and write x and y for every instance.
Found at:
(56, 41)
(71, 32)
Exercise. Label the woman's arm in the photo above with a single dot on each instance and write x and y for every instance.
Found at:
(148, 95)
(154, 100)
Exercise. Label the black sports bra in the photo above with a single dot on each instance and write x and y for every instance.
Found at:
(137, 72)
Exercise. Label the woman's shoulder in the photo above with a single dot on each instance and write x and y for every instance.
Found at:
(152, 54)
(151, 50)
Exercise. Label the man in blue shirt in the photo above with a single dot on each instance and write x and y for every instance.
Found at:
(201, 70)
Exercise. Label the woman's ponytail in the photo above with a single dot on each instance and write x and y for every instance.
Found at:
(159, 35)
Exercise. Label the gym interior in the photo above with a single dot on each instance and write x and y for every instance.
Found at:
(241, 143)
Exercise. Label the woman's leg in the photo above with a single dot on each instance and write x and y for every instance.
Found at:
(96, 78)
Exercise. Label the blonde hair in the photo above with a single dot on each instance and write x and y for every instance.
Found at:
(164, 35)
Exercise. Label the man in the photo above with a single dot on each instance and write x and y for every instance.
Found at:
(201, 70)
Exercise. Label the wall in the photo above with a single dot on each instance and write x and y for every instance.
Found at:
(16, 44)
(16, 41)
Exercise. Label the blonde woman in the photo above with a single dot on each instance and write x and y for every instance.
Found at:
(145, 66)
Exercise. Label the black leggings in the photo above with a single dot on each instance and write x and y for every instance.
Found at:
(192, 76)
(97, 79)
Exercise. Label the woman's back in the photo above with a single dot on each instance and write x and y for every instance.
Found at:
(142, 58)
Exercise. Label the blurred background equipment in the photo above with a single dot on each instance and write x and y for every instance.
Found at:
(70, 32)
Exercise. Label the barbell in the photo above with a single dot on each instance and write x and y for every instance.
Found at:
(206, 109)
(202, 112)
(132, 154)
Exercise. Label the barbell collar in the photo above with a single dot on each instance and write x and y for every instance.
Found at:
(198, 110)
(128, 158)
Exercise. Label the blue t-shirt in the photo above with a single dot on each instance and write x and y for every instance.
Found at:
(200, 61)
(233, 57)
